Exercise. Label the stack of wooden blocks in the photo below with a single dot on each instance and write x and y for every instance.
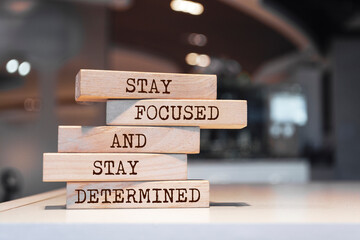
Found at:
(139, 159)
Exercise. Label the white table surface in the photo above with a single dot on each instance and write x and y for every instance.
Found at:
(303, 211)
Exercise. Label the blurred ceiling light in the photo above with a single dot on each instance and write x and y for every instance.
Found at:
(275, 130)
(203, 60)
(12, 66)
(195, 59)
(191, 58)
(288, 130)
(197, 39)
(185, 6)
(24, 68)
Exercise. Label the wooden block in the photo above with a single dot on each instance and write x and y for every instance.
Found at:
(202, 113)
(99, 85)
(129, 139)
(160, 194)
(63, 167)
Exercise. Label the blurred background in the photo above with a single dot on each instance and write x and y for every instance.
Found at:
(297, 63)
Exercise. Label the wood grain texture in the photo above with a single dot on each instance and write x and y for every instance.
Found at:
(221, 114)
(129, 139)
(63, 167)
(157, 194)
(100, 85)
